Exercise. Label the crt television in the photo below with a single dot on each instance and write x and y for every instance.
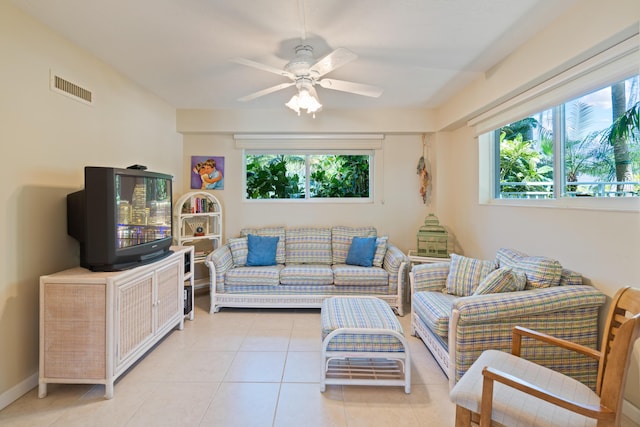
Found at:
(122, 218)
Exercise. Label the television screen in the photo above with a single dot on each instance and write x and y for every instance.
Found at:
(144, 209)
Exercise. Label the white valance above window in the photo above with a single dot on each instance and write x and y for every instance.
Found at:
(614, 64)
(309, 141)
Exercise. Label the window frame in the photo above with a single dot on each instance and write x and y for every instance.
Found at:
(489, 167)
(371, 153)
(604, 68)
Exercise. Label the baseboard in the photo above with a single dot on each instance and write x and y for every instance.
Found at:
(15, 392)
(631, 411)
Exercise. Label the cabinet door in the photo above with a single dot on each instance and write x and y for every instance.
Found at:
(74, 331)
(169, 296)
(134, 315)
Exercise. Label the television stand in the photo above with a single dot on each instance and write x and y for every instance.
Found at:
(95, 325)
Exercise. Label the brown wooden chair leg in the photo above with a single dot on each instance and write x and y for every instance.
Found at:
(463, 417)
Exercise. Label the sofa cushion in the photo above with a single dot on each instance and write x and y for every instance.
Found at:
(239, 248)
(501, 280)
(465, 274)
(262, 250)
(541, 271)
(361, 251)
(252, 276)
(430, 277)
(434, 309)
(273, 232)
(308, 245)
(364, 314)
(341, 237)
(381, 250)
(351, 275)
(306, 274)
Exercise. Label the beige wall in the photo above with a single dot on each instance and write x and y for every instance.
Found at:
(602, 245)
(46, 140)
(397, 209)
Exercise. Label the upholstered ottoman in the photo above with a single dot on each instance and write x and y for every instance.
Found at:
(363, 344)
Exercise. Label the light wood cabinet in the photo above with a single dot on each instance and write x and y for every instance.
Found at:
(95, 325)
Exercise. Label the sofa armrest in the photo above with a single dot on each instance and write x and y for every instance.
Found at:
(393, 259)
(481, 322)
(429, 277)
(395, 263)
(494, 307)
(219, 262)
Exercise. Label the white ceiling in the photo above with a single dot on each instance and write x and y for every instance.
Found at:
(419, 51)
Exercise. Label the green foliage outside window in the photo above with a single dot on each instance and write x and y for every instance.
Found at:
(283, 176)
(269, 178)
(339, 176)
(597, 142)
(521, 163)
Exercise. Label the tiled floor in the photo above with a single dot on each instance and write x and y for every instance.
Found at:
(241, 368)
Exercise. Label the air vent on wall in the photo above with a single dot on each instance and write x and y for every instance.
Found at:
(72, 90)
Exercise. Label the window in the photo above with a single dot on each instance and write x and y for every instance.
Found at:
(306, 175)
(587, 147)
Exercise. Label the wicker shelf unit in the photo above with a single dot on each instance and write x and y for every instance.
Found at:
(197, 222)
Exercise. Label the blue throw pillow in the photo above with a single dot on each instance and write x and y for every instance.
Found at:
(262, 250)
(361, 251)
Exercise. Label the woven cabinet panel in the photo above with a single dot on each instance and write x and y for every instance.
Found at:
(168, 299)
(135, 317)
(74, 331)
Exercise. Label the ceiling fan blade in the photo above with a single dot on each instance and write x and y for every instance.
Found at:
(335, 59)
(263, 67)
(357, 88)
(266, 91)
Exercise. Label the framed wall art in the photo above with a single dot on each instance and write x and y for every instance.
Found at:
(207, 172)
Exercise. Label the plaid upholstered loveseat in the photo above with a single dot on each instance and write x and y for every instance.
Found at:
(311, 264)
(462, 308)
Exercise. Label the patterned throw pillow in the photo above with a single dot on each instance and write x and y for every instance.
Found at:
(501, 280)
(381, 251)
(541, 272)
(465, 274)
(239, 250)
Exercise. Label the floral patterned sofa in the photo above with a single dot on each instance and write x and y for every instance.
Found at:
(461, 308)
(308, 265)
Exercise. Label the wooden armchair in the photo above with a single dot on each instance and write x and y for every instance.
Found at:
(504, 389)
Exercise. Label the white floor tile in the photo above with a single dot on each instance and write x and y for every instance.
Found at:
(304, 405)
(243, 405)
(257, 366)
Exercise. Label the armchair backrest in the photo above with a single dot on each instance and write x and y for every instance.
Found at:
(621, 331)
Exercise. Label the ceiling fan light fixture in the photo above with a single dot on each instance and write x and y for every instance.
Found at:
(304, 100)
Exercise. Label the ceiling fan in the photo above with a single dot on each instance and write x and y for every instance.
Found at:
(305, 73)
